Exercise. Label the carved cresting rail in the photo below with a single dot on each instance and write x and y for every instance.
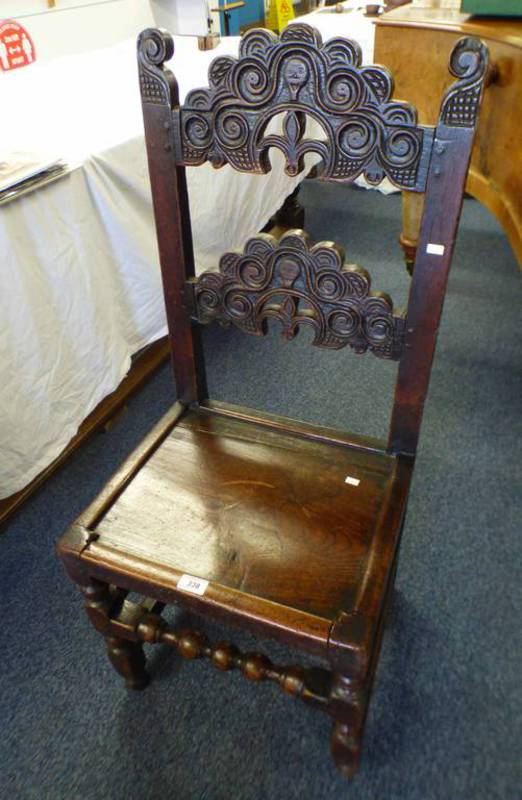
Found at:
(364, 131)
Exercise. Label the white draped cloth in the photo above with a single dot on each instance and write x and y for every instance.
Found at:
(80, 287)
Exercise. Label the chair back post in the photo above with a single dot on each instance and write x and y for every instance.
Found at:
(446, 181)
(159, 96)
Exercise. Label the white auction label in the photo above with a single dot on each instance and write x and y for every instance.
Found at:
(189, 583)
(435, 249)
(352, 481)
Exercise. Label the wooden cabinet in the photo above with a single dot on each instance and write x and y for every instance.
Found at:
(495, 176)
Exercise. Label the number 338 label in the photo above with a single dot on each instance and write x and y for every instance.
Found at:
(189, 583)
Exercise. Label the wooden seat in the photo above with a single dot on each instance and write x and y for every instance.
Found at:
(288, 529)
(282, 517)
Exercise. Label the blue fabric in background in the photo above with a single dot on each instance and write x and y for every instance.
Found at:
(252, 13)
(444, 722)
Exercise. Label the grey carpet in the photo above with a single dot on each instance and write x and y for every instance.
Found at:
(443, 720)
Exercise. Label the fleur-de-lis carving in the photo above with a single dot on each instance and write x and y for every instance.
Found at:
(294, 126)
(300, 76)
(365, 130)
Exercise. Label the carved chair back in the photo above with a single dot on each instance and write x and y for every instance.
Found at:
(361, 130)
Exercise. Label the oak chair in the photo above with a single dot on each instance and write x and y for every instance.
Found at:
(284, 528)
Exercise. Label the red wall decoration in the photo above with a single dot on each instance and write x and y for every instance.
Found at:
(16, 46)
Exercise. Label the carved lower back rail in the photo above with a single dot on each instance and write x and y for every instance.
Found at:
(298, 284)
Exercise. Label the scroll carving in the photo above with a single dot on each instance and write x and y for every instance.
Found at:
(469, 63)
(299, 285)
(156, 83)
(362, 129)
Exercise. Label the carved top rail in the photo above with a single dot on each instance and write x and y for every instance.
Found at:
(361, 130)
(299, 285)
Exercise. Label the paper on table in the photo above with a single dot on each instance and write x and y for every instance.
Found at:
(17, 166)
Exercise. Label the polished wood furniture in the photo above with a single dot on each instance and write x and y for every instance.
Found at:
(288, 529)
(495, 175)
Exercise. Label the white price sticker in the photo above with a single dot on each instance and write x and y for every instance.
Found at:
(435, 249)
(352, 481)
(189, 583)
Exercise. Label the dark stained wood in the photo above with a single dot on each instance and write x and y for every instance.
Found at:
(298, 284)
(447, 176)
(287, 529)
(128, 625)
(295, 427)
(128, 659)
(286, 564)
(172, 215)
(247, 508)
(348, 704)
(288, 625)
(131, 466)
(297, 75)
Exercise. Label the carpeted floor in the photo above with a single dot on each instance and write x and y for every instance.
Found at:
(443, 720)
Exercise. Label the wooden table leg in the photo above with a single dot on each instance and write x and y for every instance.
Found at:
(290, 215)
(412, 205)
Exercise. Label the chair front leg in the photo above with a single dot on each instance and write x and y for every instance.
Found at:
(102, 604)
(128, 659)
(347, 706)
(110, 613)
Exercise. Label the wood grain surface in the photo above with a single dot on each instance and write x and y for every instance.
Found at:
(262, 512)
